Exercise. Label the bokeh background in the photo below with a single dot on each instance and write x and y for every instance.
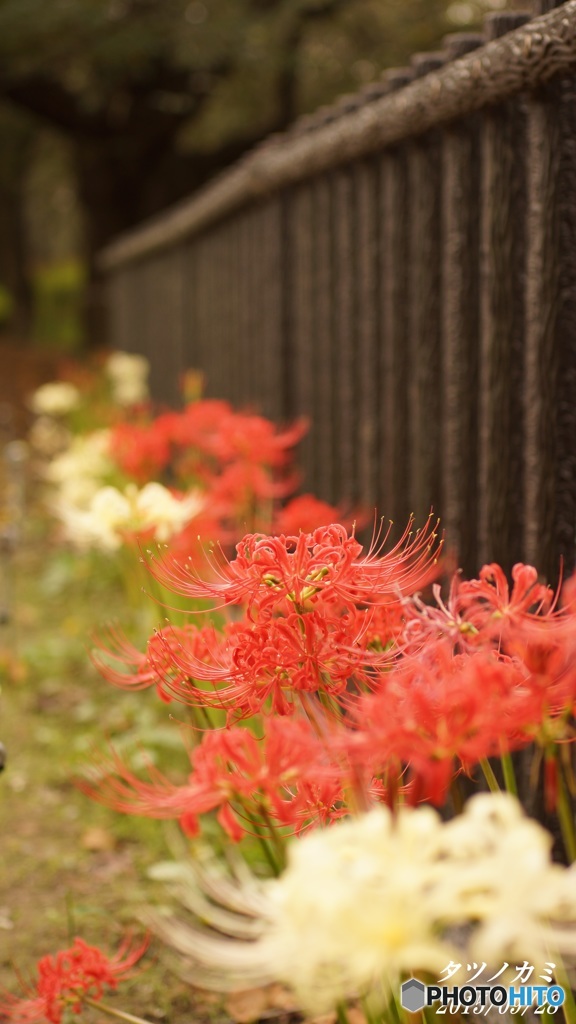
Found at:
(112, 110)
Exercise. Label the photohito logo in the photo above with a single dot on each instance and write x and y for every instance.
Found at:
(415, 995)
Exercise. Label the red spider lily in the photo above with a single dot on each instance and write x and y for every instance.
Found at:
(255, 440)
(204, 530)
(68, 978)
(549, 656)
(199, 423)
(288, 776)
(305, 514)
(437, 712)
(193, 434)
(123, 665)
(425, 622)
(492, 607)
(209, 435)
(238, 489)
(268, 665)
(141, 450)
(272, 573)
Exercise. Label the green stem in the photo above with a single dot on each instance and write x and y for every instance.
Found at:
(566, 818)
(456, 794)
(265, 845)
(70, 923)
(394, 1012)
(509, 774)
(369, 1013)
(341, 1014)
(121, 1014)
(275, 837)
(489, 775)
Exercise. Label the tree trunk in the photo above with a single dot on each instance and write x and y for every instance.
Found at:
(14, 264)
(14, 275)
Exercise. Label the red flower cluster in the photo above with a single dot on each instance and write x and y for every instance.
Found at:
(385, 693)
(287, 778)
(439, 711)
(272, 574)
(241, 461)
(68, 978)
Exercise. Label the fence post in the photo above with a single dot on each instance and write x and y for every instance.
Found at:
(550, 386)
(461, 215)
(392, 489)
(502, 323)
(424, 312)
(368, 330)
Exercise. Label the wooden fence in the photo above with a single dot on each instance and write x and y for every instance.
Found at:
(401, 268)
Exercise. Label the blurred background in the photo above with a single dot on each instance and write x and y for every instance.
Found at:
(112, 110)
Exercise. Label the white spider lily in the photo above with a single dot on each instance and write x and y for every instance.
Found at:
(373, 899)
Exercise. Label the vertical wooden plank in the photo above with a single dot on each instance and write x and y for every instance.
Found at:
(238, 380)
(167, 315)
(460, 268)
(242, 313)
(212, 362)
(325, 400)
(393, 475)
(245, 277)
(230, 361)
(368, 331)
(393, 485)
(226, 369)
(301, 318)
(216, 298)
(345, 409)
(136, 324)
(424, 313)
(271, 286)
(119, 308)
(258, 284)
(550, 382)
(190, 354)
(502, 325)
(195, 305)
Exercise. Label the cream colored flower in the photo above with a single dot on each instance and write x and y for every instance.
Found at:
(48, 437)
(371, 900)
(356, 908)
(80, 472)
(55, 399)
(158, 508)
(112, 514)
(128, 376)
(377, 898)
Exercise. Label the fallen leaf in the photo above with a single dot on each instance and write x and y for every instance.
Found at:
(245, 1007)
(6, 922)
(98, 840)
(355, 1015)
(279, 998)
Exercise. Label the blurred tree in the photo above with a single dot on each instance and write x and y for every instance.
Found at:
(17, 134)
(157, 96)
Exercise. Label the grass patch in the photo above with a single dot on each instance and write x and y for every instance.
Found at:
(70, 866)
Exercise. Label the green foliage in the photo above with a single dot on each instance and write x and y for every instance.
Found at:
(155, 97)
(218, 65)
(58, 299)
(6, 306)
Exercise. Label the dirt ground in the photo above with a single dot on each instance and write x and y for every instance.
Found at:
(69, 866)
